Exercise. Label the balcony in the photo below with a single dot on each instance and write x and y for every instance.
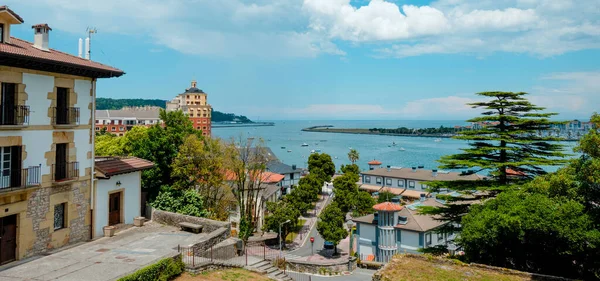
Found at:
(65, 116)
(22, 178)
(67, 171)
(14, 116)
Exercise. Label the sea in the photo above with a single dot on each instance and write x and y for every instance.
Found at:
(285, 139)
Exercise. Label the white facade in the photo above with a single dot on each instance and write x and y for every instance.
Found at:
(130, 189)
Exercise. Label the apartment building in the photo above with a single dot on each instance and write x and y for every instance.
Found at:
(194, 103)
(118, 122)
(46, 142)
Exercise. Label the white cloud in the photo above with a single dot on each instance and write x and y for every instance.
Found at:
(569, 93)
(451, 108)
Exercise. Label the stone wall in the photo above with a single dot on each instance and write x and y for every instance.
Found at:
(174, 219)
(319, 268)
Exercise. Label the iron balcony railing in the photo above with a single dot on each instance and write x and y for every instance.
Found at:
(65, 115)
(21, 178)
(14, 115)
(65, 171)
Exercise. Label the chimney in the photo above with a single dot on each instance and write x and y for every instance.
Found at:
(41, 36)
(389, 168)
(414, 169)
(87, 48)
(434, 173)
(193, 83)
(294, 167)
(422, 197)
(80, 53)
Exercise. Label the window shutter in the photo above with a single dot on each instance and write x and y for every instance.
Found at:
(15, 166)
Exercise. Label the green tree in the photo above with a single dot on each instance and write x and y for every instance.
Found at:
(353, 156)
(364, 204)
(331, 225)
(187, 202)
(321, 164)
(587, 168)
(352, 168)
(507, 142)
(346, 191)
(279, 212)
(110, 145)
(301, 197)
(199, 165)
(385, 196)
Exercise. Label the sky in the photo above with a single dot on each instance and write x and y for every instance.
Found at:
(337, 59)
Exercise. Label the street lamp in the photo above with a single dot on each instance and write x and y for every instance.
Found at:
(280, 234)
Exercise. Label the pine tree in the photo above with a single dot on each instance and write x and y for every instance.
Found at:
(505, 145)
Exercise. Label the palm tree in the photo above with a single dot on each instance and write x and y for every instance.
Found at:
(353, 156)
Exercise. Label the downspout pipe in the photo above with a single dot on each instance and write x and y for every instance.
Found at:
(93, 175)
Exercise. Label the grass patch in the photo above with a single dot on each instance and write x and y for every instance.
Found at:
(233, 274)
(294, 233)
(404, 267)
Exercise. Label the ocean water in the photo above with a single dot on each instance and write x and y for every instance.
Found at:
(418, 150)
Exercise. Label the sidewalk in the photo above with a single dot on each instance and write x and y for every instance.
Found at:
(311, 219)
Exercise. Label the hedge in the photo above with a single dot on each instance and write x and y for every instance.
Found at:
(163, 270)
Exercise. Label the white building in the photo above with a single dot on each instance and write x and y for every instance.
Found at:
(46, 142)
(291, 175)
(118, 188)
(118, 122)
(399, 229)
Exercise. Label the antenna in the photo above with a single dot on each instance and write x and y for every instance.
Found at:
(90, 31)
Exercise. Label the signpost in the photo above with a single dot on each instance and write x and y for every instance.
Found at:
(312, 244)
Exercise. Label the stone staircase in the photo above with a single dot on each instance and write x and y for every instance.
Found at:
(273, 272)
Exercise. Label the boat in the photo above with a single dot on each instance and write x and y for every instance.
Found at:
(312, 151)
(283, 147)
(250, 138)
(304, 144)
(289, 150)
(335, 157)
(402, 149)
(438, 140)
(350, 147)
(393, 143)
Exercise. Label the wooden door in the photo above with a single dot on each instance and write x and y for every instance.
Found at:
(8, 239)
(8, 101)
(114, 208)
(60, 166)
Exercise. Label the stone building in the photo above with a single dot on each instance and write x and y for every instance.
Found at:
(46, 142)
(194, 103)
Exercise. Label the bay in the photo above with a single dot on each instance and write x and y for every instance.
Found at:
(418, 151)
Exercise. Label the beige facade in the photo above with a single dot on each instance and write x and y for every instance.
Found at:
(194, 103)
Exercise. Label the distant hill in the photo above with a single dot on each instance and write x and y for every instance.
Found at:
(115, 104)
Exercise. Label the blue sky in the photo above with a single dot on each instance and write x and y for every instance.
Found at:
(337, 59)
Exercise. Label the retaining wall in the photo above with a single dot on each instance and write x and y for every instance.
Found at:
(327, 268)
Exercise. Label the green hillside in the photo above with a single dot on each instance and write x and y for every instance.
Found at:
(108, 103)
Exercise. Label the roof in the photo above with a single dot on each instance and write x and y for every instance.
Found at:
(269, 190)
(20, 53)
(265, 177)
(414, 221)
(281, 168)
(111, 166)
(420, 174)
(394, 190)
(5, 8)
(387, 207)
(194, 90)
(141, 113)
(374, 162)
(512, 172)
(254, 151)
(41, 25)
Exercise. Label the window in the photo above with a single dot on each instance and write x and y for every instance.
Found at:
(204, 121)
(97, 121)
(440, 237)
(8, 104)
(428, 239)
(59, 216)
(121, 128)
(378, 180)
(113, 129)
(291, 176)
(1, 33)
(400, 183)
(423, 186)
(10, 166)
(367, 179)
(411, 184)
(204, 128)
(388, 182)
(97, 128)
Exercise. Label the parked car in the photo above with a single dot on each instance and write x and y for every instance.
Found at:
(328, 245)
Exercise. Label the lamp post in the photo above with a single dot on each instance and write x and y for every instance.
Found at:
(280, 235)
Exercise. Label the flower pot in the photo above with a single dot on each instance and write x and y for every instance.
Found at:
(139, 221)
(109, 231)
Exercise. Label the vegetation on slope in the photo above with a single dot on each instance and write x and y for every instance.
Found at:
(112, 104)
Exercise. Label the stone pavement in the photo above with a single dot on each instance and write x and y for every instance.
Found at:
(105, 258)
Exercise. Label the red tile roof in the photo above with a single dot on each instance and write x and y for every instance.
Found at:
(22, 49)
(111, 166)
(374, 162)
(265, 177)
(388, 207)
(5, 8)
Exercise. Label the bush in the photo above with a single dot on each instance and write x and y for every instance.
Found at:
(163, 270)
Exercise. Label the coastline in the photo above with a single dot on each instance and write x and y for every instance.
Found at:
(356, 131)
(234, 125)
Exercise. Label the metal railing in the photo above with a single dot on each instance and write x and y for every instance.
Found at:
(14, 115)
(22, 178)
(65, 115)
(65, 171)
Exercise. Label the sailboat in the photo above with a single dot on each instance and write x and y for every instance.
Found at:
(438, 140)
(402, 149)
